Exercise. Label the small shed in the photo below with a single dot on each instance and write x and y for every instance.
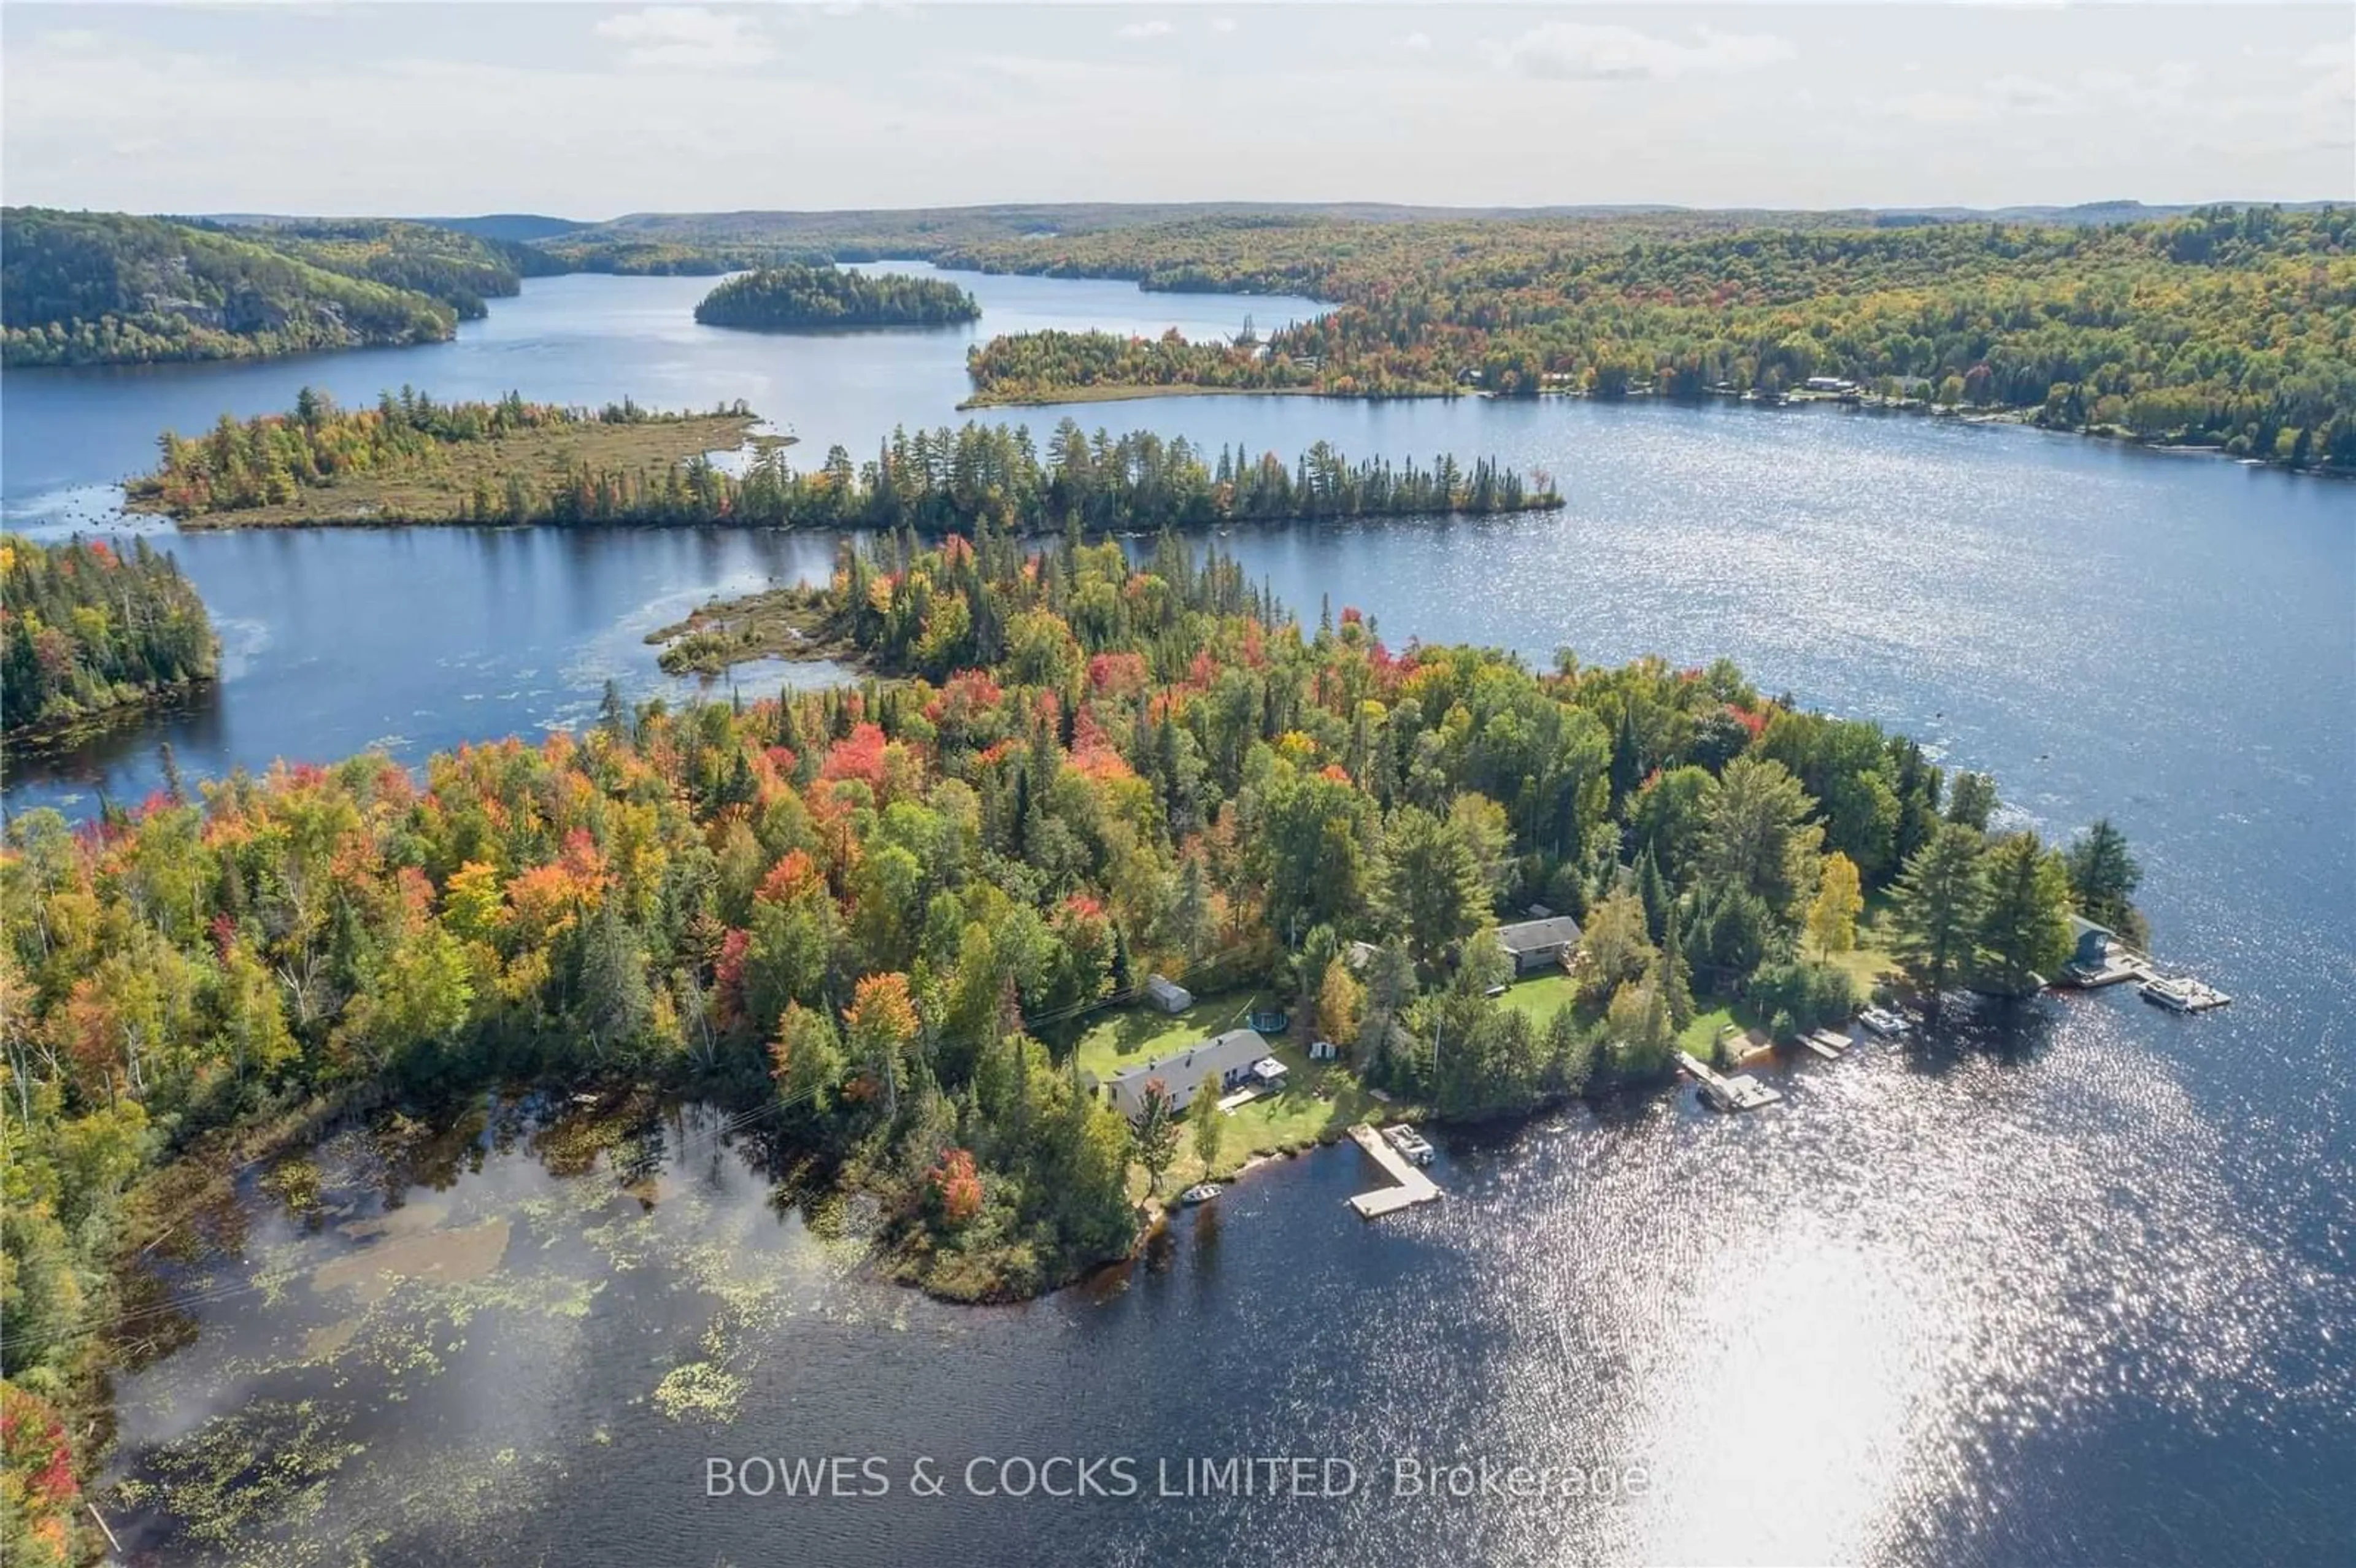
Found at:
(1167, 994)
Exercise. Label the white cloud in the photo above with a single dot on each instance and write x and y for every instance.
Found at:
(1414, 44)
(1157, 28)
(2104, 93)
(1584, 52)
(1222, 24)
(687, 37)
(2332, 54)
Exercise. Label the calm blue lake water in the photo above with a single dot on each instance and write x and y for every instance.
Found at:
(2079, 1293)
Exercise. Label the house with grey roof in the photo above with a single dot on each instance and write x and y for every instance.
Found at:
(1238, 1057)
(1535, 945)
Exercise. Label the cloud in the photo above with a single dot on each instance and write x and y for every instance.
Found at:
(687, 37)
(1157, 28)
(2104, 94)
(2332, 54)
(1222, 24)
(1583, 51)
(1414, 44)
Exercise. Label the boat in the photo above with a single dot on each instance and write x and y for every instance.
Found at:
(2180, 994)
(1410, 1144)
(1201, 1192)
(1884, 1022)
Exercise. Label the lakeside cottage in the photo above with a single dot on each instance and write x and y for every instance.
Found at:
(1238, 1056)
(1536, 944)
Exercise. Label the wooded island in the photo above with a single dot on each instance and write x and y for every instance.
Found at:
(820, 299)
(412, 460)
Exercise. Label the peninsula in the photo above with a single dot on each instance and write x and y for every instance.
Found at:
(412, 460)
(86, 628)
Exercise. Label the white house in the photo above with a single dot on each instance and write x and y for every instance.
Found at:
(1238, 1057)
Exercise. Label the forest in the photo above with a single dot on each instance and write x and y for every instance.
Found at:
(85, 628)
(818, 299)
(2230, 327)
(939, 481)
(105, 288)
(887, 910)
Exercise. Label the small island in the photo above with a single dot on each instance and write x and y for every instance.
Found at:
(823, 299)
(410, 459)
(788, 623)
(86, 629)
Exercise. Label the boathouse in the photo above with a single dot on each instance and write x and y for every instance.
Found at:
(1536, 944)
(2094, 943)
(1238, 1057)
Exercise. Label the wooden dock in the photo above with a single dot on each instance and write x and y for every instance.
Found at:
(1739, 1092)
(1828, 1043)
(1413, 1187)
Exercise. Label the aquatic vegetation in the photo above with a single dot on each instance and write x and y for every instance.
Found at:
(263, 1468)
(698, 1389)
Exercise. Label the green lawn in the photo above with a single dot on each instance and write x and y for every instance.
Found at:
(1124, 1038)
(1540, 996)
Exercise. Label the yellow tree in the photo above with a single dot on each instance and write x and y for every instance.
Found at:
(1832, 916)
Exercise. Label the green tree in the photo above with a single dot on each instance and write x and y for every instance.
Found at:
(1153, 1135)
(1613, 948)
(1935, 909)
(1433, 893)
(2104, 877)
(1971, 800)
(1758, 836)
(1210, 1123)
(2024, 924)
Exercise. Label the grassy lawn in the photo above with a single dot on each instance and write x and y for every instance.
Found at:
(1539, 996)
(1123, 1038)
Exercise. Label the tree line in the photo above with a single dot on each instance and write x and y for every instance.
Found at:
(2230, 325)
(81, 288)
(85, 627)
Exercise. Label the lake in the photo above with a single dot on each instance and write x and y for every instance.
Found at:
(2077, 1289)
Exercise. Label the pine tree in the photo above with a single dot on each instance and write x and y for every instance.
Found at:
(1935, 909)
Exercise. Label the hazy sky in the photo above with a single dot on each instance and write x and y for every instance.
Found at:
(592, 111)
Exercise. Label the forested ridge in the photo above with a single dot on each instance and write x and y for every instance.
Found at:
(98, 288)
(938, 481)
(793, 298)
(886, 912)
(2235, 327)
(84, 628)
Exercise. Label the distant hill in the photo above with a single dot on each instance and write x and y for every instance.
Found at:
(84, 288)
(515, 228)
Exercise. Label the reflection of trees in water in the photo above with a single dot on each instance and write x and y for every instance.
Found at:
(120, 751)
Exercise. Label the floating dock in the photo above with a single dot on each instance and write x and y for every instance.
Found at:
(1826, 1043)
(2183, 994)
(1739, 1092)
(1413, 1187)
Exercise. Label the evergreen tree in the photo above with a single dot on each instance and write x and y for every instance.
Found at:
(1935, 911)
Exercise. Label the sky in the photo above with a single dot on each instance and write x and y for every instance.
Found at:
(589, 111)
